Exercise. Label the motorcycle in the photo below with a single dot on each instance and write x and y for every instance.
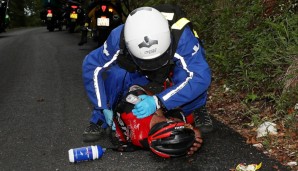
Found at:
(108, 17)
(74, 16)
(53, 19)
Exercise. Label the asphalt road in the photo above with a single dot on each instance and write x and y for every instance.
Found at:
(44, 110)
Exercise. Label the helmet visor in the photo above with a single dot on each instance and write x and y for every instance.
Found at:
(153, 64)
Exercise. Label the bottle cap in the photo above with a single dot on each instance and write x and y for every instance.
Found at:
(70, 155)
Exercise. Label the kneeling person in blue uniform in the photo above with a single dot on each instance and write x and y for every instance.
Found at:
(167, 60)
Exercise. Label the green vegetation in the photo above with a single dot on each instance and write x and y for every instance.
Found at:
(24, 13)
(250, 46)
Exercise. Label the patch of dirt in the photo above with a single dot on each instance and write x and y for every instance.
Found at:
(229, 108)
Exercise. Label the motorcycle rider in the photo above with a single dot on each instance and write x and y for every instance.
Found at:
(56, 7)
(178, 76)
(90, 18)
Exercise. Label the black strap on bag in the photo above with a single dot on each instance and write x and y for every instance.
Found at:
(177, 20)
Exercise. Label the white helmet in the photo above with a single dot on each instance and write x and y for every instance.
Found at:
(148, 38)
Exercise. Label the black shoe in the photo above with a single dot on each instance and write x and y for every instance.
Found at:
(94, 35)
(82, 42)
(83, 37)
(93, 132)
(203, 120)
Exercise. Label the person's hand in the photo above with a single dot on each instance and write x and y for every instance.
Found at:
(108, 116)
(145, 107)
(198, 140)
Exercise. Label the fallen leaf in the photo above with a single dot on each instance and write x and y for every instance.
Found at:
(276, 167)
(251, 139)
(41, 100)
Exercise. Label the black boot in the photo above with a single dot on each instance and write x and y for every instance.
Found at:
(203, 120)
(94, 35)
(83, 37)
(93, 132)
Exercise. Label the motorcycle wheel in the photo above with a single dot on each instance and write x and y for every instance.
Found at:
(51, 28)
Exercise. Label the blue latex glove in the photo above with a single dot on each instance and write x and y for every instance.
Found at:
(145, 107)
(108, 116)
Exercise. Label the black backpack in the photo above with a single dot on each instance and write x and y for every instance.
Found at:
(177, 22)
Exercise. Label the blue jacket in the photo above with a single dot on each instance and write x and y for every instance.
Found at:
(191, 74)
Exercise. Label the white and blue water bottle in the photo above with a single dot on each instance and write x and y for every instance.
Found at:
(85, 153)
